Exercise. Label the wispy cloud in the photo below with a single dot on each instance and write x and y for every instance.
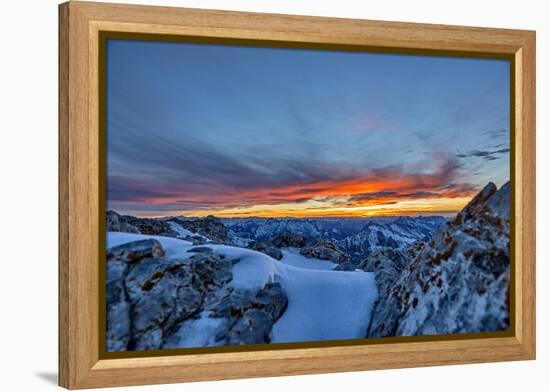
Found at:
(210, 180)
(240, 131)
(485, 154)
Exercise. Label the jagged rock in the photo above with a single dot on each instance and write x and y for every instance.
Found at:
(118, 309)
(252, 328)
(396, 233)
(136, 251)
(457, 283)
(289, 240)
(387, 264)
(211, 269)
(210, 227)
(115, 225)
(152, 293)
(150, 298)
(164, 292)
(147, 226)
(125, 227)
(251, 316)
(272, 299)
(149, 340)
(233, 303)
(265, 248)
(325, 250)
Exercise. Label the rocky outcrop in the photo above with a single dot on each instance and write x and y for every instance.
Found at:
(265, 248)
(457, 282)
(197, 230)
(211, 227)
(136, 251)
(153, 302)
(289, 240)
(114, 224)
(131, 224)
(325, 250)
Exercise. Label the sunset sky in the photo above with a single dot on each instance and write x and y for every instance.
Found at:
(245, 131)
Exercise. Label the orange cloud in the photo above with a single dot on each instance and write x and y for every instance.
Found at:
(388, 191)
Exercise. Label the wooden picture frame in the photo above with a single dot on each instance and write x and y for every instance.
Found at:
(80, 211)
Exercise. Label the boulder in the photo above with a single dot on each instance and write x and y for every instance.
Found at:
(325, 250)
(210, 227)
(250, 315)
(289, 240)
(133, 252)
(272, 299)
(253, 327)
(154, 302)
(265, 248)
(118, 308)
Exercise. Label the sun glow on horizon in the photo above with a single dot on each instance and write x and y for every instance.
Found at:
(385, 135)
(313, 209)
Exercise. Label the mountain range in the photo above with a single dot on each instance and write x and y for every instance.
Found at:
(189, 282)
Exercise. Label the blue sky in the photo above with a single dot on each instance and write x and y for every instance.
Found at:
(201, 129)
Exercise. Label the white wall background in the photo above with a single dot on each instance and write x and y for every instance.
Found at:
(28, 193)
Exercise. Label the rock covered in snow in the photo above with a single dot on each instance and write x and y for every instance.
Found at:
(197, 230)
(458, 282)
(114, 224)
(132, 224)
(152, 300)
(250, 316)
(289, 240)
(265, 248)
(209, 227)
(136, 251)
(325, 250)
(118, 307)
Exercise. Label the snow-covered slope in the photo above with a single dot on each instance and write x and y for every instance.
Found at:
(292, 257)
(321, 304)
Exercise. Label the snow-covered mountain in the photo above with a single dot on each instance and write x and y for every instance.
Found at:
(356, 237)
(267, 229)
(392, 233)
(186, 282)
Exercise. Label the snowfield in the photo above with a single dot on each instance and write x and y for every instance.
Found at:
(292, 257)
(322, 304)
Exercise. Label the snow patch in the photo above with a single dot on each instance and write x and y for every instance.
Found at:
(292, 257)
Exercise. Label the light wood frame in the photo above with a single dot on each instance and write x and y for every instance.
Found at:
(80, 365)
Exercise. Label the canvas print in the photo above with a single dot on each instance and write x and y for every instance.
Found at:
(264, 195)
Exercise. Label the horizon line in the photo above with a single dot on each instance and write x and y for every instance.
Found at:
(444, 214)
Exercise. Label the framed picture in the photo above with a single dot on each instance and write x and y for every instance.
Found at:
(247, 195)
